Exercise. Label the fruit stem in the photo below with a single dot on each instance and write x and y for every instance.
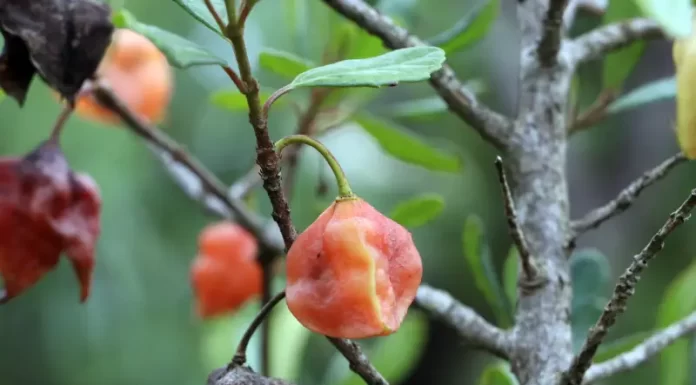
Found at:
(344, 190)
(239, 358)
(60, 123)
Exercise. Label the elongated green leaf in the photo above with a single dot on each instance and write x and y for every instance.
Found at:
(620, 64)
(612, 349)
(199, 11)
(401, 65)
(591, 277)
(408, 148)
(3, 95)
(478, 258)
(649, 93)
(498, 374)
(510, 276)
(180, 52)
(395, 356)
(679, 300)
(673, 15)
(233, 100)
(283, 63)
(471, 28)
(419, 210)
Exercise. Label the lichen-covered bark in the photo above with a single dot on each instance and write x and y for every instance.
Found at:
(537, 161)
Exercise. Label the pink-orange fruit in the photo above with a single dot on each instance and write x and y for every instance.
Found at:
(353, 273)
(139, 74)
(225, 274)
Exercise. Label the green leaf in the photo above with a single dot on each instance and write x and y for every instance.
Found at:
(418, 211)
(510, 276)
(283, 63)
(648, 93)
(674, 16)
(591, 276)
(401, 65)
(290, 339)
(233, 100)
(478, 256)
(408, 148)
(180, 52)
(498, 374)
(431, 107)
(471, 28)
(3, 96)
(678, 301)
(395, 356)
(199, 11)
(620, 64)
(612, 349)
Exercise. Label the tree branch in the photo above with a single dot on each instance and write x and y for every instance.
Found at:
(643, 352)
(193, 178)
(469, 324)
(528, 267)
(594, 113)
(623, 291)
(553, 33)
(626, 197)
(489, 124)
(603, 40)
(359, 363)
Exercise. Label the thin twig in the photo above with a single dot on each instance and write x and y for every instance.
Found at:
(268, 161)
(305, 126)
(623, 291)
(491, 125)
(266, 156)
(204, 185)
(594, 113)
(235, 78)
(469, 324)
(626, 197)
(528, 268)
(239, 358)
(643, 352)
(216, 16)
(553, 30)
(611, 37)
(63, 117)
(359, 363)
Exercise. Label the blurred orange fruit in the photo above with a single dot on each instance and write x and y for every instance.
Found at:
(138, 73)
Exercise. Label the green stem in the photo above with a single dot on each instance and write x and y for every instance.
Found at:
(231, 6)
(344, 190)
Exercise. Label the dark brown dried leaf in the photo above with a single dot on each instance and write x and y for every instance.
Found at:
(62, 40)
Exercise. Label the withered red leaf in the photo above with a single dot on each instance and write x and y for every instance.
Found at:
(62, 40)
(45, 209)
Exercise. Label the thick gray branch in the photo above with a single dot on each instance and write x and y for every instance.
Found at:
(624, 290)
(627, 196)
(553, 33)
(603, 40)
(536, 164)
(643, 352)
(464, 320)
(490, 125)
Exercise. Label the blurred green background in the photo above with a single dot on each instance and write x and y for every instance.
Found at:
(138, 326)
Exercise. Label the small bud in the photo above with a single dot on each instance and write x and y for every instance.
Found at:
(353, 273)
(45, 210)
(225, 274)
